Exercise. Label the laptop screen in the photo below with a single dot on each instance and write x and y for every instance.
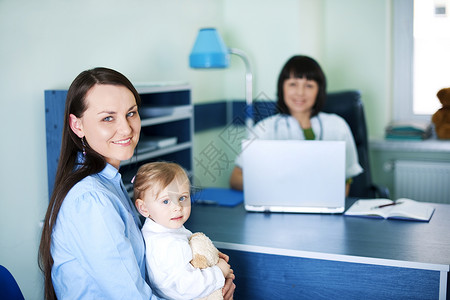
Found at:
(294, 175)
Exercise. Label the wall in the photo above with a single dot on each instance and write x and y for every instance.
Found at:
(269, 35)
(46, 43)
(358, 50)
(350, 39)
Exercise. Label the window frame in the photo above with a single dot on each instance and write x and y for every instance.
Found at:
(403, 66)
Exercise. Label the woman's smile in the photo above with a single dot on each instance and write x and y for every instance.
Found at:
(125, 142)
(300, 94)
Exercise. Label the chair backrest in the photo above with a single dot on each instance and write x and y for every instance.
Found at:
(349, 106)
(9, 289)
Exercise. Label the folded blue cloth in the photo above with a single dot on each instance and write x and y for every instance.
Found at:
(218, 196)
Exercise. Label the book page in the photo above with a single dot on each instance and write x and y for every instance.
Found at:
(369, 208)
(411, 209)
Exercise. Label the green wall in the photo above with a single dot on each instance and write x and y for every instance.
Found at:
(358, 55)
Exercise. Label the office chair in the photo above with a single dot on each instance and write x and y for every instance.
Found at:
(9, 289)
(349, 106)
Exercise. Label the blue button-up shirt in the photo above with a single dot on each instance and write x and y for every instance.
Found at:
(97, 247)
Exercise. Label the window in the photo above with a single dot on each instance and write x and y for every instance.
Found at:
(421, 40)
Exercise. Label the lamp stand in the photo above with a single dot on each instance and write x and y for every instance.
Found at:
(248, 86)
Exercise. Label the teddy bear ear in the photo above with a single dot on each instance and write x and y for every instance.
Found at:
(197, 235)
(442, 93)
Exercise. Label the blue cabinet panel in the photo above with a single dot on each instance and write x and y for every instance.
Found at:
(267, 276)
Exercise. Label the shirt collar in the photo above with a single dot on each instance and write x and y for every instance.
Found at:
(110, 172)
(155, 227)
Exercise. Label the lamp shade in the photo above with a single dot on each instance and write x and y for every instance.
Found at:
(209, 50)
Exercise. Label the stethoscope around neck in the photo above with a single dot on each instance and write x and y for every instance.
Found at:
(286, 119)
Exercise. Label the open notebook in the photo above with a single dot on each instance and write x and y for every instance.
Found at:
(294, 176)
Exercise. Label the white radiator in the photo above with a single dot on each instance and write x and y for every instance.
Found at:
(422, 181)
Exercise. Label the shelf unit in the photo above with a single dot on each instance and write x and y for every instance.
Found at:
(176, 123)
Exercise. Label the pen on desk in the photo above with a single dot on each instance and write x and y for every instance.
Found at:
(389, 204)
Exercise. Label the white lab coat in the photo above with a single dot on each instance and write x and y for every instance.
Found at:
(327, 127)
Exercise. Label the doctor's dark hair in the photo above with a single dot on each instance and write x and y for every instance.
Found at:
(70, 170)
(301, 66)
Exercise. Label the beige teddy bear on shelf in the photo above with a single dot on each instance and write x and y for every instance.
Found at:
(204, 255)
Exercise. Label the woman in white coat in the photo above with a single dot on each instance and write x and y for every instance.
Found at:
(301, 97)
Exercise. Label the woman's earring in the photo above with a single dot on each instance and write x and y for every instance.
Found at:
(84, 146)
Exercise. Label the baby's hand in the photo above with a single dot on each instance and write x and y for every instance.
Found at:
(224, 267)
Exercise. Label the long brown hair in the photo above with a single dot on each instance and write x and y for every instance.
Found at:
(70, 170)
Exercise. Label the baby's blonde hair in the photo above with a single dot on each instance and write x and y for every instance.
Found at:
(156, 176)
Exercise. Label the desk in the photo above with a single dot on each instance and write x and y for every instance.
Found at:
(310, 256)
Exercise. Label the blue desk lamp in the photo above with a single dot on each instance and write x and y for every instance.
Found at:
(210, 52)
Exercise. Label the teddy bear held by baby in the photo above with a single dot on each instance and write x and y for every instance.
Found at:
(204, 255)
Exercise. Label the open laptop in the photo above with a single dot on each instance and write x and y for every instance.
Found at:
(294, 176)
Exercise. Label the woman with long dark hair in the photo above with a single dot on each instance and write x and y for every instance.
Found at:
(91, 245)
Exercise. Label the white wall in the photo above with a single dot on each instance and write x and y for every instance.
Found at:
(45, 44)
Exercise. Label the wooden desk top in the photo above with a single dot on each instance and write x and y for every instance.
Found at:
(337, 237)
